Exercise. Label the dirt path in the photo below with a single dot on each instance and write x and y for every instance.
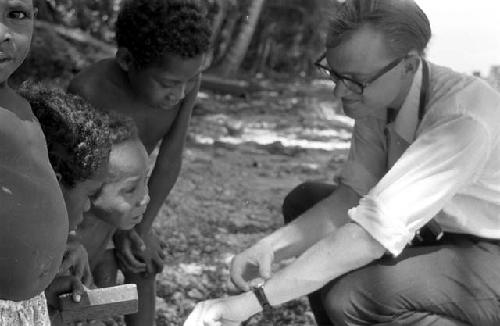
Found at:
(243, 156)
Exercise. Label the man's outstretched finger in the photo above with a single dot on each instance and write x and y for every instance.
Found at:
(236, 275)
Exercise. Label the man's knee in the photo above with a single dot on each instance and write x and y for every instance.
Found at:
(303, 197)
(339, 302)
(291, 204)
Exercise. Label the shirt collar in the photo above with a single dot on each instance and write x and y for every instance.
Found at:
(406, 122)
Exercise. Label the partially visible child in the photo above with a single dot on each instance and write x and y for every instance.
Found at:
(120, 202)
(33, 218)
(78, 144)
(154, 78)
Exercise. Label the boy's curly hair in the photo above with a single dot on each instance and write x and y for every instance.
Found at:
(151, 28)
(121, 128)
(77, 135)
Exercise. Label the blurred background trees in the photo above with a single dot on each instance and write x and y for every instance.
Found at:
(268, 38)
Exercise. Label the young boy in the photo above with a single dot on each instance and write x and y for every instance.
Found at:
(154, 78)
(33, 219)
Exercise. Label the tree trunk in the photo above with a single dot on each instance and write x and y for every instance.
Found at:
(237, 52)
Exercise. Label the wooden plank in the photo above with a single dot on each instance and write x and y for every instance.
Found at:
(98, 304)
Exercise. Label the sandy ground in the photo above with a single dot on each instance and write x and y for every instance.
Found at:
(243, 156)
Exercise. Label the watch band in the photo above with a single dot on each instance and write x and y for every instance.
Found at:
(267, 309)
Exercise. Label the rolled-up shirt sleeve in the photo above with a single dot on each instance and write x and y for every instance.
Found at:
(443, 159)
(367, 159)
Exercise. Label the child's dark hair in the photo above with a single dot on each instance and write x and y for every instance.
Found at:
(151, 28)
(77, 135)
(121, 128)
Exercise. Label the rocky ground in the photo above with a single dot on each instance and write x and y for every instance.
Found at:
(243, 156)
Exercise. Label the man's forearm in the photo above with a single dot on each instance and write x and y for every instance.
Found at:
(316, 223)
(344, 250)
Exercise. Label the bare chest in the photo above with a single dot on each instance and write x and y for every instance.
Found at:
(153, 125)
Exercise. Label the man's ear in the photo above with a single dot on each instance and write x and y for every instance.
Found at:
(124, 59)
(412, 62)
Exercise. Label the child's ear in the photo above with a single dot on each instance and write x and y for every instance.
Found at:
(124, 59)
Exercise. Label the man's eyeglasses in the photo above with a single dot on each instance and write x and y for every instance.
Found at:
(351, 84)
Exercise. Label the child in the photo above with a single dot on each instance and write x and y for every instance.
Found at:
(119, 204)
(154, 78)
(78, 143)
(33, 218)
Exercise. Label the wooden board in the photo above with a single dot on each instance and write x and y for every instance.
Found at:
(97, 304)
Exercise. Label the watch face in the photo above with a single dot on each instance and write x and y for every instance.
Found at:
(257, 283)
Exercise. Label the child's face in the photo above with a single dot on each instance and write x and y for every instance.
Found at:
(166, 84)
(78, 197)
(123, 198)
(16, 30)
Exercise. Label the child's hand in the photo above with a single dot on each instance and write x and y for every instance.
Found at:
(76, 261)
(153, 256)
(128, 246)
(62, 285)
(145, 254)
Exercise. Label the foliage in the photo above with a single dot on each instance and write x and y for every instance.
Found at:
(94, 16)
(287, 38)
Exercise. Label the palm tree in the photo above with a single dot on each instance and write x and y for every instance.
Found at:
(237, 52)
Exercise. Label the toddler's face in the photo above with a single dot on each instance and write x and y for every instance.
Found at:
(16, 30)
(166, 84)
(123, 198)
(78, 197)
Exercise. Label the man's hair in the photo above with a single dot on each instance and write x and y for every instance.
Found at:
(77, 135)
(402, 22)
(149, 29)
(121, 128)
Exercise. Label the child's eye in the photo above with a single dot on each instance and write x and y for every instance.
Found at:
(130, 190)
(19, 15)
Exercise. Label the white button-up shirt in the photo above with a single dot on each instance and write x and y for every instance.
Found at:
(450, 172)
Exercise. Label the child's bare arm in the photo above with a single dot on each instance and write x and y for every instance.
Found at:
(129, 246)
(168, 162)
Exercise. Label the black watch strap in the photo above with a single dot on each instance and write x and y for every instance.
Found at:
(261, 297)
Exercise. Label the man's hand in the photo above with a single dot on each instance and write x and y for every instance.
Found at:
(230, 311)
(139, 254)
(76, 261)
(62, 285)
(251, 264)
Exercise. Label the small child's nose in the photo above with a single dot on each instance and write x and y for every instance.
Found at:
(145, 200)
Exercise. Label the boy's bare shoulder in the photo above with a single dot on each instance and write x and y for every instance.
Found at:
(94, 81)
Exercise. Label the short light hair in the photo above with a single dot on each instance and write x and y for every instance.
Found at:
(403, 24)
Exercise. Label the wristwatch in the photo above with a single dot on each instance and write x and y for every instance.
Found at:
(267, 309)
